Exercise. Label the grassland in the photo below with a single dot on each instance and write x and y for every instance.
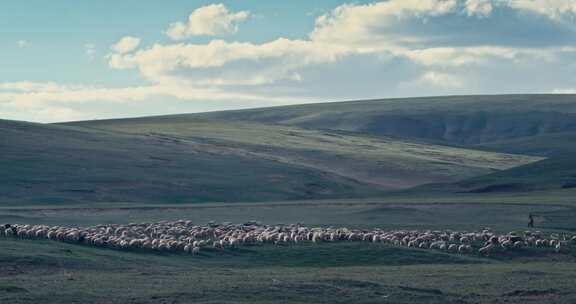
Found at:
(218, 162)
(390, 163)
(337, 150)
(33, 271)
(55, 164)
(454, 120)
(536, 125)
(338, 164)
(502, 211)
(50, 272)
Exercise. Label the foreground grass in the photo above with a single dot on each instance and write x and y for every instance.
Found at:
(50, 272)
(42, 271)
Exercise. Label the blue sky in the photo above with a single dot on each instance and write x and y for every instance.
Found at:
(74, 60)
(56, 32)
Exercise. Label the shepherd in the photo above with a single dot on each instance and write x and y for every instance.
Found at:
(530, 221)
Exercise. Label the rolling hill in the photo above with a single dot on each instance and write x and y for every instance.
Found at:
(389, 163)
(537, 125)
(58, 164)
(453, 120)
(317, 151)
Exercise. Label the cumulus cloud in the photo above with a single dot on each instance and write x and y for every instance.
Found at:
(561, 10)
(456, 57)
(211, 20)
(433, 23)
(388, 28)
(480, 8)
(373, 23)
(229, 63)
(27, 93)
(126, 44)
(385, 48)
(50, 101)
(21, 43)
(389, 34)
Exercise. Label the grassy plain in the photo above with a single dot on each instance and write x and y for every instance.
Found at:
(50, 272)
(33, 271)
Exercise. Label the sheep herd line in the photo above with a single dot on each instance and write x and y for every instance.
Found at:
(185, 237)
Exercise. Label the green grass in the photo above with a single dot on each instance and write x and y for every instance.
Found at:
(353, 138)
(145, 160)
(54, 164)
(335, 150)
(548, 145)
(50, 272)
(305, 164)
(555, 175)
(387, 162)
(460, 120)
(557, 172)
(504, 212)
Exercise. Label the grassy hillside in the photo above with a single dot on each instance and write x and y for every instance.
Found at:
(547, 145)
(538, 125)
(553, 173)
(331, 150)
(387, 162)
(58, 164)
(456, 120)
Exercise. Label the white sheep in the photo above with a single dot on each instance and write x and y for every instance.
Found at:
(487, 250)
(464, 249)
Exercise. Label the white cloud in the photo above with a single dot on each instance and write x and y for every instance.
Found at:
(229, 63)
(348, 31)
(21, 43)
(211, 20)
(442, 56)
(377, 28)
(554, 9)
(126, 45)
(455, 57)
(373, 23)
(435, 80)
(39, 97)
(564, 91)
(26, 93)
(220, 63)
(58, 113)
(386, 48)
(480, 8)
(431, 23)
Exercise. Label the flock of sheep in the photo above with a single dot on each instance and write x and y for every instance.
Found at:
(186, 237)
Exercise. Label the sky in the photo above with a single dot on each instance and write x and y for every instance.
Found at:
(64, 60)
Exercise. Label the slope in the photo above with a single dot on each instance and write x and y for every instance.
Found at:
(60, 164)
(455, 120)
(538, 125)
(387, 162)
